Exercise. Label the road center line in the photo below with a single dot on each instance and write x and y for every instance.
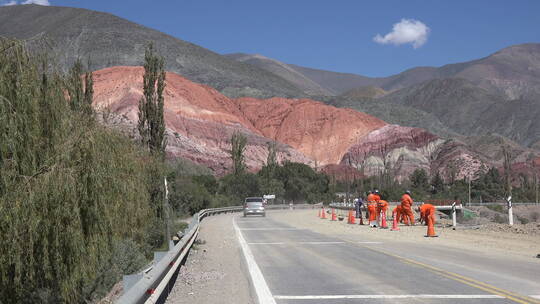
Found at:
(259, 283)
(418, 296)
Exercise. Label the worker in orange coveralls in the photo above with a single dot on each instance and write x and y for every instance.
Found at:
(382, 207)
(372, 199)
(427, 215)
(427, 211)
(406, 208)
(397, 213)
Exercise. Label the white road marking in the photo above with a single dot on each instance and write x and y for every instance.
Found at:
(535, 296)
(267, 243)
(369, 242)
(271, 228)
(418, 296)
(321, 243)
(261, 288)
(284, 243)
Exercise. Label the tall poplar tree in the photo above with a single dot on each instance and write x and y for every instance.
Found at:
(151, 123)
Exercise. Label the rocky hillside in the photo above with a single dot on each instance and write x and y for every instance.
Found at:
(108, 40)
(285, 71)
(200, 121)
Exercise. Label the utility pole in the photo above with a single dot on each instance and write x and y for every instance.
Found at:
(166, 212)
(536, 185)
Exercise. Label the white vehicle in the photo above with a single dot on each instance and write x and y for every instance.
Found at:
(254, 206)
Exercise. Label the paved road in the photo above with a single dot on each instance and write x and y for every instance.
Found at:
(301, 266)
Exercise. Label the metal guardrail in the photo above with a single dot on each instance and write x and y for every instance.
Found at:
(148, 285)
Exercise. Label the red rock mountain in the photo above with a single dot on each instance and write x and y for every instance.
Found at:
(200, 121)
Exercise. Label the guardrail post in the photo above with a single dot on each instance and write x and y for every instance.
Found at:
(454, 215)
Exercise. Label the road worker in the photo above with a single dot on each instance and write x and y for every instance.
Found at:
(426, 211)
(427, 215)
(406, 208)
(382, 207)
(372, 199)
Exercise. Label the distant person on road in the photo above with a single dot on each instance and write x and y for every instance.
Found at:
(358, 202)
(382, 207)
(406, 208)
(372, 199)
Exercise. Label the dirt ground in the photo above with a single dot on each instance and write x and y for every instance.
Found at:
(520, 240)
(214, 270)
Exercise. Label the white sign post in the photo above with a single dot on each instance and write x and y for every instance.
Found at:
(510, 213)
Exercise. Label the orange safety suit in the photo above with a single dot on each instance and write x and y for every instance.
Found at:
(406, 209)
(382, 206)
(397, 211)
(427, 212)
(372, 206)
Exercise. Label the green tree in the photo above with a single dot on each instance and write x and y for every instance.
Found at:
(437, 184)
(80, 91)
(151, 124)
(238, 146)
(419, 179)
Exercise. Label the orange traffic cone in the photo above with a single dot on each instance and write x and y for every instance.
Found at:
(351, 218)
(430, 227)
(323, 213)
(334, 218)
(395, 226)
(319, 215)
(383, 220)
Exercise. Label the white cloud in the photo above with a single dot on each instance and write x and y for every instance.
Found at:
(405, 31)
(38, 2)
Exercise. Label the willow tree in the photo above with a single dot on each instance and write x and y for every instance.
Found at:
(70, 190)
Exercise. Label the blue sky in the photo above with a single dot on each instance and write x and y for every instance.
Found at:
(337, 35)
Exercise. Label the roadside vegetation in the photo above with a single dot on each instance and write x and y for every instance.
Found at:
(76, 209)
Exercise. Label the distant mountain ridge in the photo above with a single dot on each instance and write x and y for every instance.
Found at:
(513, 71)
(107, 40)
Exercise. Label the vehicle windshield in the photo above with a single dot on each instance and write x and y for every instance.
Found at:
(254, 204)
(254, 199)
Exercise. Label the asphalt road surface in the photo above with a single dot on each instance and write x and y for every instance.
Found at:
(291, 265)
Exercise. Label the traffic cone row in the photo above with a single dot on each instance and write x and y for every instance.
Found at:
(395, 225)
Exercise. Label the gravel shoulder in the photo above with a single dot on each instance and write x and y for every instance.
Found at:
(215, 270)
(488, 239)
